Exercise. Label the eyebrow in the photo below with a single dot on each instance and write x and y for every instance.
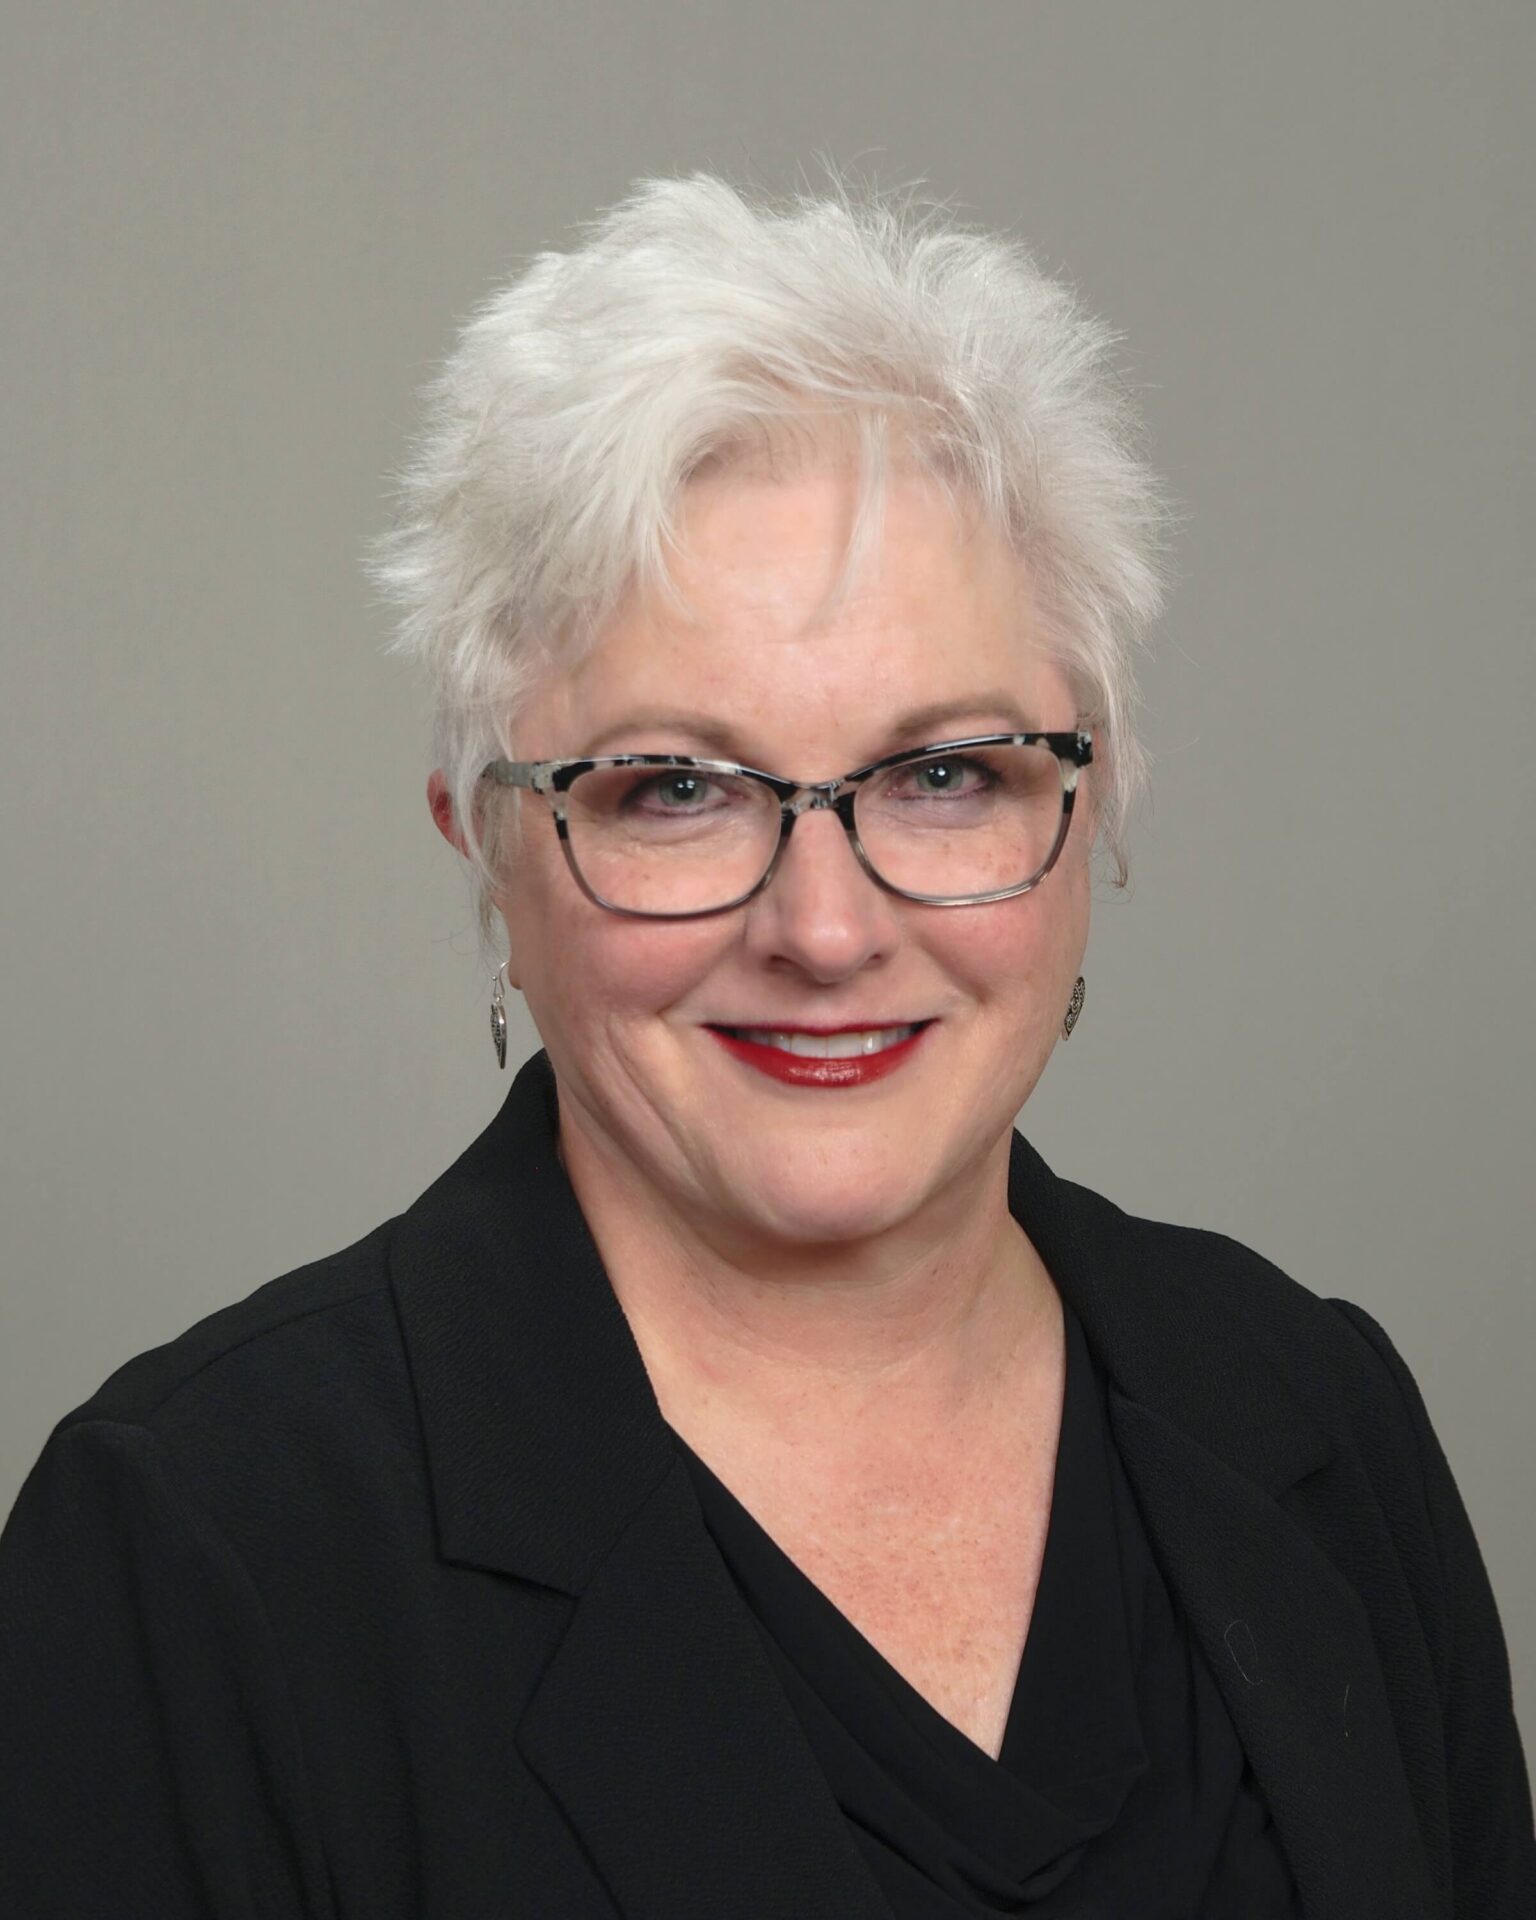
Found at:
(992, 710)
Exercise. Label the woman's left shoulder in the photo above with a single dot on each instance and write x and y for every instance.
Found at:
(1326, 1345)
(1333, 1356)
(1219, 1293)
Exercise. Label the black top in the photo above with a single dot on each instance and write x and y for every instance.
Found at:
(385, 1592)
(1121, 1786)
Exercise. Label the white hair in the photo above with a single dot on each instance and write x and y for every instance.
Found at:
(692, 319)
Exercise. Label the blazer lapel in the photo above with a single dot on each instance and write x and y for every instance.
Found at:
(658, 1725)
(1210, 1460)
(663, 1732)
(1291, 1649)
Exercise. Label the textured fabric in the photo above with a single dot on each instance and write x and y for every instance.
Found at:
(383, 1594)
(1121, 1784)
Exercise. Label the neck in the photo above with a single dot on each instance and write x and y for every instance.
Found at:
(918, 1328)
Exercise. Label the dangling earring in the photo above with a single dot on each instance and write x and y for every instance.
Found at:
(499, 1018)
(1074, 1008)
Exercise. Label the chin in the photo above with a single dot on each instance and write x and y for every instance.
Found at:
(823, 1199)
(799, 1222)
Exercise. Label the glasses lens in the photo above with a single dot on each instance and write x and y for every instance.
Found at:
(670, 839)
(956, 824)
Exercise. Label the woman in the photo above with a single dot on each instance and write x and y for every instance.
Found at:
(750, 1482)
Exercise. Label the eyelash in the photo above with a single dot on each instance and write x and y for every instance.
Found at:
(650, 784)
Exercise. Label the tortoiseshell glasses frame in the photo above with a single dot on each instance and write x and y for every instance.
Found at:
(554, 779)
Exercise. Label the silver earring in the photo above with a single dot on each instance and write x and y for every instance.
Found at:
(1074, 1008)
(499, 1018)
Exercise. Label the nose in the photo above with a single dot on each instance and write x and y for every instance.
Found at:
(821, 912)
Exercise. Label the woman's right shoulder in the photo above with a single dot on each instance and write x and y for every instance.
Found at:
(293, 1396)
(199, 1547)
(273, 1338)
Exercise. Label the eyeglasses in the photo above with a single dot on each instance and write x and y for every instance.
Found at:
(665, 836)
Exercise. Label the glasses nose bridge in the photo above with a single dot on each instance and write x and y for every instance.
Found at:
(817, 796)
(820, 796)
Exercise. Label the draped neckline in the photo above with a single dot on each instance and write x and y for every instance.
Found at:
(1001, 1832)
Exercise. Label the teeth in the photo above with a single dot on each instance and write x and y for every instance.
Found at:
(828, 1046)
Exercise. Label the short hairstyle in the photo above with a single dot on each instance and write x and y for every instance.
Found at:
(693, 318)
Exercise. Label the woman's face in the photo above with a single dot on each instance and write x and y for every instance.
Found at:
(940, 614)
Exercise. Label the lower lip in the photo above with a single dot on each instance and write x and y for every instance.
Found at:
(857, 1070)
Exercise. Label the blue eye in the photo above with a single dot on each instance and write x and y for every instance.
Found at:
(680, 794)
(681, 789)
(942, 779)
(944, 774)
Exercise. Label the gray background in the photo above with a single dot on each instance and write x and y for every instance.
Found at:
(242, 1016)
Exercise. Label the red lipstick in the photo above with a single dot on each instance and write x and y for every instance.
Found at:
(801, 1070)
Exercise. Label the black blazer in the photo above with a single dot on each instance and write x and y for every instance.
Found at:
(383, 1594)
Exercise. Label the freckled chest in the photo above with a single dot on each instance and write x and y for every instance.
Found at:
(936, 1562)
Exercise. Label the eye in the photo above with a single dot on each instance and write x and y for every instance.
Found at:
(673, 792)
(942, 778)
(679, 793)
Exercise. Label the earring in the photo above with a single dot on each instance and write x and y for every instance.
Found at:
(1074, 1008)
(499, 1018)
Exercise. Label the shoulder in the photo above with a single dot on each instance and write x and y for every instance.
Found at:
(1213, 1295)
(278, 1330)
(295, 1394)
(1243, 1354)
(1271, 1375)
(1330, 1351)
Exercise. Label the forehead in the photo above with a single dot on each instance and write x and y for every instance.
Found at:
(775, 638)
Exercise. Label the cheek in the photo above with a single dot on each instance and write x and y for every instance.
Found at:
(642, 966)
(1016, 952)
(592, 965)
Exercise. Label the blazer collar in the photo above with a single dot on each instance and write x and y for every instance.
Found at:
(542, 1431)
(1153, 1314)
(549, 1459)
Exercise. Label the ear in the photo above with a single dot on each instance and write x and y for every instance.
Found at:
(440, 800)
(448, 824)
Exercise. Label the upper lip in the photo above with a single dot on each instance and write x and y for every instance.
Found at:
(797, 1026)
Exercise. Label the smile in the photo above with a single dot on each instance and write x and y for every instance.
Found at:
(853, 1057)
(825, 1046)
